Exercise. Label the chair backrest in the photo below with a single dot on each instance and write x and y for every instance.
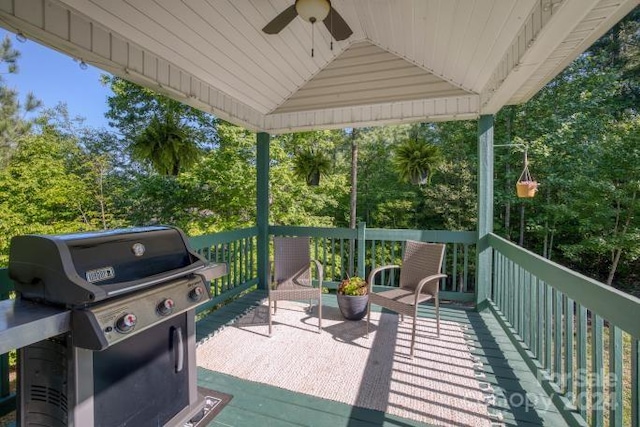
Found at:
(419, 261)
(291, 258)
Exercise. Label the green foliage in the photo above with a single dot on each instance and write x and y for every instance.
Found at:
(13, 125)
(310, 165)
(416, 160)
(46, 188)
(165, 144)
(353, 286)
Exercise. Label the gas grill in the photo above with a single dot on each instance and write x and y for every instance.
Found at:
(129, 356)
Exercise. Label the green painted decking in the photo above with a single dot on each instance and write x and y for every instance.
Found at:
(519, 397)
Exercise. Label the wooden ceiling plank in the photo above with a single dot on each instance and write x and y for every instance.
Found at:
(196, 49)
(212, 26)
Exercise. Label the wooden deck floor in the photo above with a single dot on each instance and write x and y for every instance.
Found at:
(519, 397)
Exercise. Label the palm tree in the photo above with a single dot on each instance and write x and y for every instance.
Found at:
(166, 145)
(416, 159)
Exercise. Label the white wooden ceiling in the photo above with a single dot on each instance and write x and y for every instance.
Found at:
(407, 60)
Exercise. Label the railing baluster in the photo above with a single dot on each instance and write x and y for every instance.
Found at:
(597, 391)
(615, 376)
(581, 362)
(465, 279)
(526, 313)
(568, 345)
(534, 315)
(513, 287)
(635, 382)
(497, 278)
(541, 320)
(548, 329)
(235, 263)
(454, 274)
(557, 338)
(521, 292)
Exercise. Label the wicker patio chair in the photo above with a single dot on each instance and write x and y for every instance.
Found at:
(292, 278)
(419, 281)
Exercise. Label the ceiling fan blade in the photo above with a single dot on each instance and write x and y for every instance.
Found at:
(279, 22)
(337, 26)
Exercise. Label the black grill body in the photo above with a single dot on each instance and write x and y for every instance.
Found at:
(129, 358)
(58, 269)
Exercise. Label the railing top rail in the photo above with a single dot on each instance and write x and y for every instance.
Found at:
(335, 233)
(611, 304)
(465, 237)
(207, 240)
(445, 236)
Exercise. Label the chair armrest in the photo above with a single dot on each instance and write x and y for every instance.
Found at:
(426, 280)
(376, 271)
(319, 271)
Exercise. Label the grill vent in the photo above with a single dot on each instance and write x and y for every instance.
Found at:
(49, 395)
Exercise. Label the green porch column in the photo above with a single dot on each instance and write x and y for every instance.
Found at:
(262, 204)
(485, 210)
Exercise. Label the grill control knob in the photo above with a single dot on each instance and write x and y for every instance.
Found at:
(126, 323)
(165, 307)
(196, 293)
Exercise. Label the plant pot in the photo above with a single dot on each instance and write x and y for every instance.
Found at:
(353, 307)
(420, 178)
(526, 189)
(313, 179)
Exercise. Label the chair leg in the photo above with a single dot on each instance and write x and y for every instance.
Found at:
(413, 335)
(368, 318)
(401, 318)
(320, 314)
(438, 315)
(269, 311)
(275, 307)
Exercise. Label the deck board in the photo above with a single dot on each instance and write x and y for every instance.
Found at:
(520, 398)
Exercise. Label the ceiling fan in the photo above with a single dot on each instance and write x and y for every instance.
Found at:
(311, 11)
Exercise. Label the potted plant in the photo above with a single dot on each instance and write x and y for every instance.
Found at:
(526, 189)
(310, 165)
(416, 159)
(353, 296)
(526, 185)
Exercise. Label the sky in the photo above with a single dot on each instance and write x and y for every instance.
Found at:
(54, 77)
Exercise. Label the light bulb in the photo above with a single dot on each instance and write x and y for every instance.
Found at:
(313, 10)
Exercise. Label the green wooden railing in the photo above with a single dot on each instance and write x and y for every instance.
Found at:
(579, 336)
(342, 252)
(238, 250)
(345, 252)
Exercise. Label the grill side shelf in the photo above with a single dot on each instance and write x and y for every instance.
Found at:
(23, 323)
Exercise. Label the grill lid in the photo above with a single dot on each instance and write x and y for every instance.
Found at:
(84, 268)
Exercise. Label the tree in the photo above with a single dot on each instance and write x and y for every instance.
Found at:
(13, 124)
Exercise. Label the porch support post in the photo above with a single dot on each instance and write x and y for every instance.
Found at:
(485, 211)
(262, 208)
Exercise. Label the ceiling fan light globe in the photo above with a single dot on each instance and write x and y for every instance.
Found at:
(313, 10)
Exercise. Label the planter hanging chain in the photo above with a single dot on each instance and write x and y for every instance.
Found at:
(525, 176)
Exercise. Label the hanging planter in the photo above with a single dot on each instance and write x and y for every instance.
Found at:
(310, 165)
(415, 160)
(526, 186)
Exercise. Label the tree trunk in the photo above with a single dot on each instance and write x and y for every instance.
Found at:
(614, 266)
(521, 239)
